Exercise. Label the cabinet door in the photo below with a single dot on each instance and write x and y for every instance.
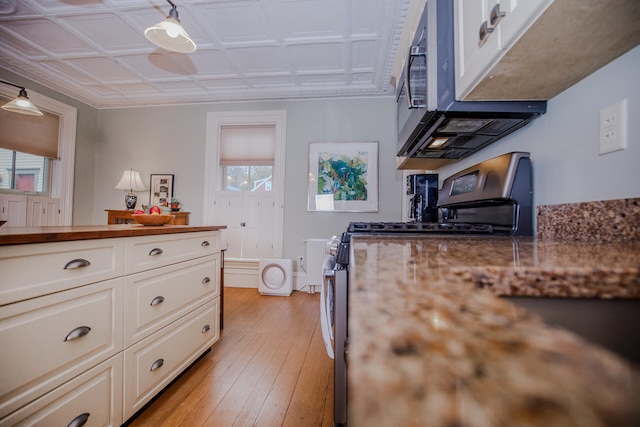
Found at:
(95, 395)
(519, 15)
(152, 363)
(473, 57)
(155, 298)
(49, 340)
(149, 252)
(52, 211)
(484, 31)
(13, 210)
(58, 266)
(42, 211)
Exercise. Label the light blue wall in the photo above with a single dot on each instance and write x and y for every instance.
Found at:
(563, 143)
(172, 140)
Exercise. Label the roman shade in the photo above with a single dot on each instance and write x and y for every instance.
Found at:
(37, 135)
(247, 145)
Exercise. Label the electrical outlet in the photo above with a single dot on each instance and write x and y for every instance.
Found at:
(301, 262)
(613, 127)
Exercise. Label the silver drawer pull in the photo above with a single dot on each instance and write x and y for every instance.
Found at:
(205, 243)
(157, 300)
(155, 251)
(157, 364)
(496, 15)
(78, 332)
(77, 263)
(80, 420)
(484, 32)
(205, 328)
(206, 280)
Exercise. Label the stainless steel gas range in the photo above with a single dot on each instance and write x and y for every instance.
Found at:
(492, 198)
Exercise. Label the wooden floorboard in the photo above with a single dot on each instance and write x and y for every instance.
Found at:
(269, 368)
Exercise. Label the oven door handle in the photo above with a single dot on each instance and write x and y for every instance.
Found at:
(328, 277)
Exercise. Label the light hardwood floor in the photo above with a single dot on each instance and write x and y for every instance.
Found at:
(269, 368)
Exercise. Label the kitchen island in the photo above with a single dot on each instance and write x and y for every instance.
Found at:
(96, 320)
(432, 343)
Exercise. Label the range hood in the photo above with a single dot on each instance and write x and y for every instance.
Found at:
(432, 124)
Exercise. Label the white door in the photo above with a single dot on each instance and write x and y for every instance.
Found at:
(14, 210)
(253, 215)
(42, 211)
(249, 218)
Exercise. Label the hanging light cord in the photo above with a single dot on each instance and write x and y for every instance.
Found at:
(23, 91)
(15, 85)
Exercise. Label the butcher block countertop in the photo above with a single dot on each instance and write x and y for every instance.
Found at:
(21, 235)
(433, 344)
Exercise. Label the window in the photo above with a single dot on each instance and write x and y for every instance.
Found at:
(248, 178)
(247, 156)
(24, 172)
(58, 172)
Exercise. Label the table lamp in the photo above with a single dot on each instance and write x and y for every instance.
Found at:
(132, 182)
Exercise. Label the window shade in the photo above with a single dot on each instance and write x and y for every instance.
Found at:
(247, 145)
(37, 135)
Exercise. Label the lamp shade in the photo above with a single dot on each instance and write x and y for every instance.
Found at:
(170, 35)
(131, 181)
(23, 105)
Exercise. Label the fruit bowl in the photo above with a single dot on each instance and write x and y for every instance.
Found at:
(149, 219)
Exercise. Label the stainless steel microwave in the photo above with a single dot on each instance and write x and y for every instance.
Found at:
(431, 123)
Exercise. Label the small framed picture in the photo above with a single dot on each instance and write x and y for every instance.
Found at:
(160, 189)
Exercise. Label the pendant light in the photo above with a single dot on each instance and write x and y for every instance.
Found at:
(22, 104)
(170, 35)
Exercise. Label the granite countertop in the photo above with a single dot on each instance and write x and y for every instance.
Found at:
(432, 344)
(21, 235)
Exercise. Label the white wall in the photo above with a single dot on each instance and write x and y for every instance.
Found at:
(172, 140)
(563, 143)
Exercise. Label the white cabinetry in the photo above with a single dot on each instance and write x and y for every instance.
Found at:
(49, 340)
(66, 308)
(172, 310)
(154, 362)
(13, 210)
(42, 211)
(538, 48)
(94, 396)
(31, 211)
(484, 31)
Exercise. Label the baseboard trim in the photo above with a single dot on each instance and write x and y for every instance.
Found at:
(244, 274)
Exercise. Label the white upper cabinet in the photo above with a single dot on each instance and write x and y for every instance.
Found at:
(535, 49)
(484, 31)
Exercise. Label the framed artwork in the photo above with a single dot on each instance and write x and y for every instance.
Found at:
(343, 176)
(160, 189)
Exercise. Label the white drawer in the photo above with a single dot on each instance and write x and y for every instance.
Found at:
(172, 350)
(37, 269)
(34, 356)
(96, 393)
(147, 252)
(155, 298)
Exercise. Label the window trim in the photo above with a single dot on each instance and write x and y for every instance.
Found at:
(62, 168)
